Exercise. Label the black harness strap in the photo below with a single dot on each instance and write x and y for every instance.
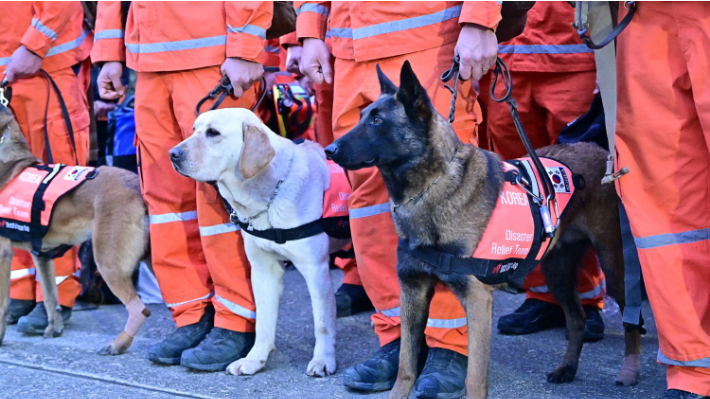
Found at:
(38, 206)
(281, 236)
(65, 115)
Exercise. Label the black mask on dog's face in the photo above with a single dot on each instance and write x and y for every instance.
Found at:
(392, 130)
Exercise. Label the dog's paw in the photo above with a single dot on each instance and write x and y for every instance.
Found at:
(52, 332)
(562, 375)
(245, 367)
(321, 367)
(630, 370)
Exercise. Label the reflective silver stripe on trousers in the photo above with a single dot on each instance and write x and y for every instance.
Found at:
(316, 8)
(17, 274)
(218, 229)
(177, 46)
(248, 29)
(173, 217)
(109, 34)
(585, 295)
(60, 279)
(64, 47)
(43, 29)
(446, 323)
(662, 240)
(704, 363)
(408, 23)
(394, 312)
(357, 213)
(236, 309)
(172, 305)
(543, 49)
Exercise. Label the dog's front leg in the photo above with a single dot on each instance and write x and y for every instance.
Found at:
(320, 288)
(45, 271)
(478, 302)
(414, 301)
(5, 264)
(266, 276)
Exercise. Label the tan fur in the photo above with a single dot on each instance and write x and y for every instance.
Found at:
(107, 209)
(257, 152)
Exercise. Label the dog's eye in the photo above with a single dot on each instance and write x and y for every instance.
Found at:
(376, 121)
(211, 133)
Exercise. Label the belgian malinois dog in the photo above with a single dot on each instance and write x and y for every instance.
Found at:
(444, 192)
(108, 209)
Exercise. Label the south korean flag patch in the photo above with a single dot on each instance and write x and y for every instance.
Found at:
(560, 180)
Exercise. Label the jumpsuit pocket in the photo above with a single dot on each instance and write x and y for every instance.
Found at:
(60, 141)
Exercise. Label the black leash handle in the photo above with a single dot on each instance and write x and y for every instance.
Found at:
(65, 116)
(225, 87)
(583, 32)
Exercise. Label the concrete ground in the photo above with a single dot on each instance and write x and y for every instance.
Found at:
(68, 367)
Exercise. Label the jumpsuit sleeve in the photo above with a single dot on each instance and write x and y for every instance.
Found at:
(312, 20)
(247, 23)
(48, 20)
(484, 13)
(109, 42)
(290, 39)
(272, 51)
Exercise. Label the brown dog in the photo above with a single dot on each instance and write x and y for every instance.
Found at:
(108, 209)
(444, 193)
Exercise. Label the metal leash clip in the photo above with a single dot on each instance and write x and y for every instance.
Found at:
(5, 99)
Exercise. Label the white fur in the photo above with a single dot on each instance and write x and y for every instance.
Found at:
(305, 177)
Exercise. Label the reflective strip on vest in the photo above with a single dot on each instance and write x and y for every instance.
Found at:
(316, 8)
(173, 217)
(43, 29)
(236, 309)
(172, 305)
(68, 46)
(704, 363)
(272, 49)
(218, 229)
(177, 46)
(340, 33)
(585, 295)
(446, 323)
(543, 49)
(662, 240)
(394, 312)
(407, 23)
(357, 213)
(22, 273)
(248, 29)
(109, 34)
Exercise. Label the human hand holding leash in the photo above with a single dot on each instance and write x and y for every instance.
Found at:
(242, 73)
(23, 64)
(477, 49)
(109, 81)
(315, 61)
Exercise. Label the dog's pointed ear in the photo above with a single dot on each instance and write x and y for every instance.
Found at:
(257, 151)
(386, 85)
(412, 94)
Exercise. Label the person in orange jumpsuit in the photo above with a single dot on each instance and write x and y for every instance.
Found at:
(180, 52)
(663, 138)
(429, 34)
(554, 77)
(350, 298)
(50, 36)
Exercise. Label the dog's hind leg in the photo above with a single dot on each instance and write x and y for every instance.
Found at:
(415, 298)
(266, 276)
(560, 268)
(6, 255)
(47, 279)
(118, 248)
(478, 302)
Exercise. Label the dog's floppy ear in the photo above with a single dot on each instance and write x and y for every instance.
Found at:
(386, 85)
(412, 95)
(256, 151)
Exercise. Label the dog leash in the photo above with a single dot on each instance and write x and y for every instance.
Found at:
(582, 25)
(225, 87)
(501, 71)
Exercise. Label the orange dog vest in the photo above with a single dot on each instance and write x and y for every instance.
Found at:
(27, 202)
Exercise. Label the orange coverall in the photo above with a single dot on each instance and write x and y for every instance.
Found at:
(364, 34)
(177, 49)
(53, 31)
(663, 137)
(553, 83)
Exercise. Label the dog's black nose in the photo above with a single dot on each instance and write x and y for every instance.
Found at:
(331, 150)
(175, 154)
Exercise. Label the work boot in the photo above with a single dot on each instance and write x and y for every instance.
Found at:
(377, 373)
(443, 377)
(678, 394)
(351, 299)
(17, 309)
(218, 350)
(532, 316)
(35, 322)
(170, 350)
